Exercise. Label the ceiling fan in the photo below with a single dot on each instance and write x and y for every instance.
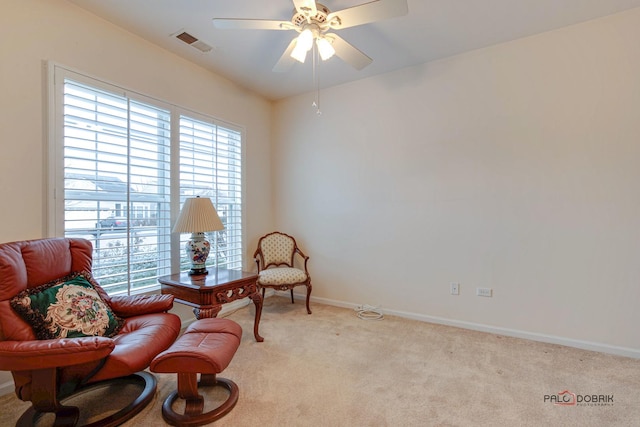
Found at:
(313, 22)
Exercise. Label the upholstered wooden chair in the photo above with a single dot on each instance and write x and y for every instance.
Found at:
(61, 334)
(275, 260)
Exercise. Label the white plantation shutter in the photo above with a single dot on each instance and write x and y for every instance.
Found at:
(116, 167)
(115, 176)
(210, 166)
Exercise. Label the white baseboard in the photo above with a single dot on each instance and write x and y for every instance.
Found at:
(226, 309)
(230, 308)
(551, 339)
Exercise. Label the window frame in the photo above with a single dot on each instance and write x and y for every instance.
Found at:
(54, 207)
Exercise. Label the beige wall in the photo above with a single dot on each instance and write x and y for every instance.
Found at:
(513, 167)
(34, 31)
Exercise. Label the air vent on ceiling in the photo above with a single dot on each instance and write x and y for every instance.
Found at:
(193, 41)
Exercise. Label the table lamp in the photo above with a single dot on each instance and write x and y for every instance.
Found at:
(197, 217)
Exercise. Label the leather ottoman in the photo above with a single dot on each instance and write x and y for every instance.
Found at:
(206, 348)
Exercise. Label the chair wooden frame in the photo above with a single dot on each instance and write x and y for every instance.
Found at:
(259, 257)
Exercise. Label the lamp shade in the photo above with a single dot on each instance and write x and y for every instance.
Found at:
(198, 216)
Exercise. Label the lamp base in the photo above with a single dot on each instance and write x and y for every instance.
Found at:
(198, 272)
(197, 249)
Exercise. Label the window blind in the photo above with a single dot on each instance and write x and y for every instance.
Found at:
(210, 166)
(118, 178)
(116, 185)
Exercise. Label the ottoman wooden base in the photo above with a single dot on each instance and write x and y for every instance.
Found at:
(205, 348)
(194, 403)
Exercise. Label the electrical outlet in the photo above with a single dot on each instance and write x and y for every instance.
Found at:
(455, 288)
(484, 292)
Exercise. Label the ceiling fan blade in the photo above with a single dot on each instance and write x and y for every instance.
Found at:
(349, 53)
(286, 61)
(306, 7)
(250, 24)
(367, 12)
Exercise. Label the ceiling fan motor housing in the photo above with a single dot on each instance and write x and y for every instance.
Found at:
(318, 22)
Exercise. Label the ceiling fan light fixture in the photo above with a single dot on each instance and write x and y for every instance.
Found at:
(325, 48)
(299, 54)
(304, 42)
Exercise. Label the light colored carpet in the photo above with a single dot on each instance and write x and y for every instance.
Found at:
(333, 369)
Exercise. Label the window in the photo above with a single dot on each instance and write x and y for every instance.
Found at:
(210, 166)
(115, 180)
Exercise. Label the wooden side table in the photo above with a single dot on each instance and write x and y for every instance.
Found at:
(206, 293)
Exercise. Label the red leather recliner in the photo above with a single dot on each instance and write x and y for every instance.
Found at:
(43, 369)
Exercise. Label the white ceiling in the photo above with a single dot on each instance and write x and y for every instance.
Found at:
(432, 29)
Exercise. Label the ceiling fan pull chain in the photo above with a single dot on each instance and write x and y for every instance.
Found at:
(316, 79)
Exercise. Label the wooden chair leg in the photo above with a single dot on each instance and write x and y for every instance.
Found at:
(291, 295)
(308, 296)
(44, 398)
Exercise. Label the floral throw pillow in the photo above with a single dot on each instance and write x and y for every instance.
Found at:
(69, 307)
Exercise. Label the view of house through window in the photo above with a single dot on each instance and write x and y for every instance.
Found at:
(118, 176)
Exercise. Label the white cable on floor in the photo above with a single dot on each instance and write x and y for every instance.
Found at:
(367, 312)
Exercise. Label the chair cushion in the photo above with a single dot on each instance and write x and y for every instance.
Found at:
(207, 346)
(69, 307)
(281, 276)
(140, 340)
